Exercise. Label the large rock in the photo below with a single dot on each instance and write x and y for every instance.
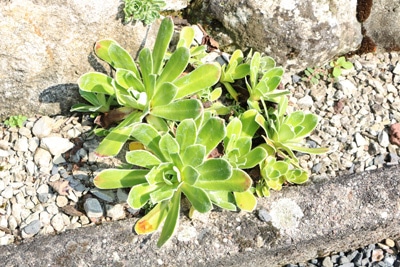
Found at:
(298, 34)
(47, 44)
(382, 25)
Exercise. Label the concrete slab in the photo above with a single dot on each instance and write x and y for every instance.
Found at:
(343, 213)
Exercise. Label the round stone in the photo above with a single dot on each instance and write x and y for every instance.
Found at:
(57, 222)
(61, 201)
(32, 228)
(43, 127)
(93, 208)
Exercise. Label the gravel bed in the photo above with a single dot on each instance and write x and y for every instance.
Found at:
(47, 166)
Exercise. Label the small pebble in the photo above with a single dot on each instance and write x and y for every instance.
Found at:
(93, 208)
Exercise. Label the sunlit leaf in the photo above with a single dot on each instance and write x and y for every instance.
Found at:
(152, 220)
(140, 194)
(179, 110)
(171, 221)
(245, 200)
(203, 77)
(186, 133)
(214, 170)
(197, 197)
(142, 158)
(211, 134)
(239, 181)
(223, 199)
(96, 82)
(175, 66)
(117, 178)
(161, 44)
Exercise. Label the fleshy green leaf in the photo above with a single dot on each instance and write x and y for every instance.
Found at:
(164, 192)
(158, 123)
(168, 146)
(297, 176)
(152, 220)
(189, 175)
(254, 69)
(309, 124)
(146, 67)
(101, 49)
(233, 132)
(245, 200)
(186, 37)
(223, 199)
(253, 158)
(239, 181)
(197, 197)
(148, 136)
(161, 44)
(157, 174)
(121, 59)
(194, 155)
(172, 219)
(295, 118)
(285, 133)
(142, 158)
(117, 178)
(214, 170)
(96, 82)
(164, 95)
(140, 194)
(249, 124)
(186, 133)
(113, 142)
(179, 110)
(128, 80)
(203, 77)
(211, 133)
(175, 66)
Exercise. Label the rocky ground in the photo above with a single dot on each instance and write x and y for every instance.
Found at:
(47, 166)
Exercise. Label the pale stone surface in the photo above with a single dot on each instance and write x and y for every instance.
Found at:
(298, 34)
(50, 45)
(382, 24)
(56, 145)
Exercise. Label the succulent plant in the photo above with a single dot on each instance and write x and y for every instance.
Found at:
(154, 90)
(176, 164)
(143, 10)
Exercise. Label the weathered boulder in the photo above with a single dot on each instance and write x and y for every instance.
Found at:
(47, 44)
(382, 25)
(298, 34)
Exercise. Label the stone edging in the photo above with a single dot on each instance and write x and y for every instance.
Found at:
(344, 213)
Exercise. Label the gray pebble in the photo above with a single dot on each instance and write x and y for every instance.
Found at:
(32, 228)
(93, 208)
(316, 167)
(122, 196)
(106, 195)
(263, 215)
(343, 260)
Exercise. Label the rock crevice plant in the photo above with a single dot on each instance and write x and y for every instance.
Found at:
(154, 89)
(174, 165)
(179, 146)
(142, 10)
